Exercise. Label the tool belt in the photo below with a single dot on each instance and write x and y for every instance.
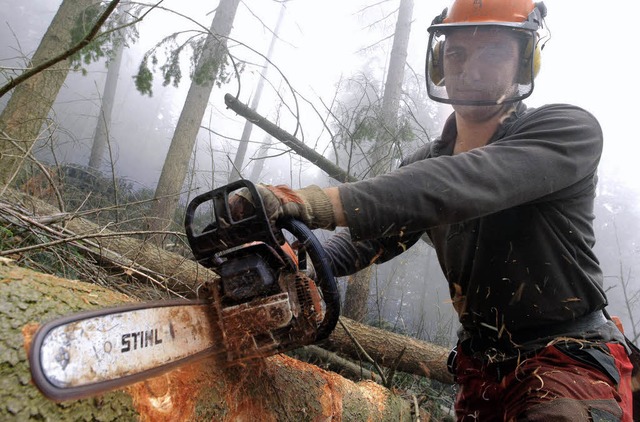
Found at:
(582, 324)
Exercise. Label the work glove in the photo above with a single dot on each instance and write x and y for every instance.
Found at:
(309, 205)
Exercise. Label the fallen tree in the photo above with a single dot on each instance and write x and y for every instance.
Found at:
(391, 350)
(177, 275)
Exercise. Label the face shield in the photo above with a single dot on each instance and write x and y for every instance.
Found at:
(481, 64)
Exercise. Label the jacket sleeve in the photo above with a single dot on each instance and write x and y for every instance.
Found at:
(542, 153)
(348, 257)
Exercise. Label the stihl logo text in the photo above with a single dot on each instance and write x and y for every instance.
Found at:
(139, 340)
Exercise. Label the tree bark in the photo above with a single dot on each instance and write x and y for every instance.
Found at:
(101, 135)
(28, 108)
(175, 167)
(397, 63)
(289, 140)
(357, 295)
(418, 357)
(273, 389)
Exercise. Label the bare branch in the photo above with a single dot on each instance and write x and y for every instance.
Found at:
(289, 140)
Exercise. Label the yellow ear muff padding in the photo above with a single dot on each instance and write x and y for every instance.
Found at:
(524, 73)
(436, 68)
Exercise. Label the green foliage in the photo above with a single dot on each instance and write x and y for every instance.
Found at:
(171, 71)
(5, 236)
(205, 68)
(144, 78)
(106, 43)
(369, 125)
(94, 51)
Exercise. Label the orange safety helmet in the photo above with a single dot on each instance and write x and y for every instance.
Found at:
(524, 16)
(509, 12)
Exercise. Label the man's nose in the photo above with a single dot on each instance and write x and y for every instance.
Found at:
(472, 68)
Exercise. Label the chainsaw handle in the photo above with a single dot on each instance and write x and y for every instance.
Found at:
(225, 232)
(324, 273)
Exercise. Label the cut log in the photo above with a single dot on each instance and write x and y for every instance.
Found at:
(274, 389)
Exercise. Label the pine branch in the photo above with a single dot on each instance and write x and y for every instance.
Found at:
(63, 56)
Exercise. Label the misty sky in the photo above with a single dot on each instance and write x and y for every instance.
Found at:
(586, 62)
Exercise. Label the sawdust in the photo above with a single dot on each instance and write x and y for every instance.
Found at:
(169, 397)
(28, 331)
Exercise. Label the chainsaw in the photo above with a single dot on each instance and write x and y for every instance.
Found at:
(269, 299)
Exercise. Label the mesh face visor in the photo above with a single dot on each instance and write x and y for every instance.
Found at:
(482, 64)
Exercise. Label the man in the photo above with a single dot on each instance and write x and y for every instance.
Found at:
(506, 197)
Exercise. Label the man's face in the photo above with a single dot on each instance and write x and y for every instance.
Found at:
(480, 64)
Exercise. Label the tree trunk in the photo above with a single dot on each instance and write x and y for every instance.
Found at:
(238, 162)
(397, 63)
(101, 136)
(28, 108)
(384, 347)
(175, 167)
(357, 295)
(360, 285)
(258, 163)
(273, 389)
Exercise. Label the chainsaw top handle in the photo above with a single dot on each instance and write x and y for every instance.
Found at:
(225, 233)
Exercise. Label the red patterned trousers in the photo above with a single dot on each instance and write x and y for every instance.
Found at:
(555, 384)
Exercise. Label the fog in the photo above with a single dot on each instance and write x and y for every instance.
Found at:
(586, 62)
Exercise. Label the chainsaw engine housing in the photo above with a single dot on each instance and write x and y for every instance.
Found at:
(265, 303)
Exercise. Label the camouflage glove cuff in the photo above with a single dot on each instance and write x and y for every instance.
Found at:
(319, 210)
(309, 205)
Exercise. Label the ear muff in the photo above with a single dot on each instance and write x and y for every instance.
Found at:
(435, 65)
(525, 76)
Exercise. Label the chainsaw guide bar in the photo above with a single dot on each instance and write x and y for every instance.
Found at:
(96, 351)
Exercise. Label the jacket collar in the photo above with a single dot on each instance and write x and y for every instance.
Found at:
(444, 144)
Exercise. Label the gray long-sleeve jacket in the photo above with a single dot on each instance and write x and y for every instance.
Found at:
(511, 222)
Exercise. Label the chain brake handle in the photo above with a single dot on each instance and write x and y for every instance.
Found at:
(225, 233)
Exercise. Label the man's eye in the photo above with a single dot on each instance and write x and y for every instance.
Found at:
(454, 55)
(495, 53)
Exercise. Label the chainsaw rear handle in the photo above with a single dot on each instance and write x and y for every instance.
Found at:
(226, 233)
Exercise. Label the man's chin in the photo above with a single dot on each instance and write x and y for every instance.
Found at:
(476, 113)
